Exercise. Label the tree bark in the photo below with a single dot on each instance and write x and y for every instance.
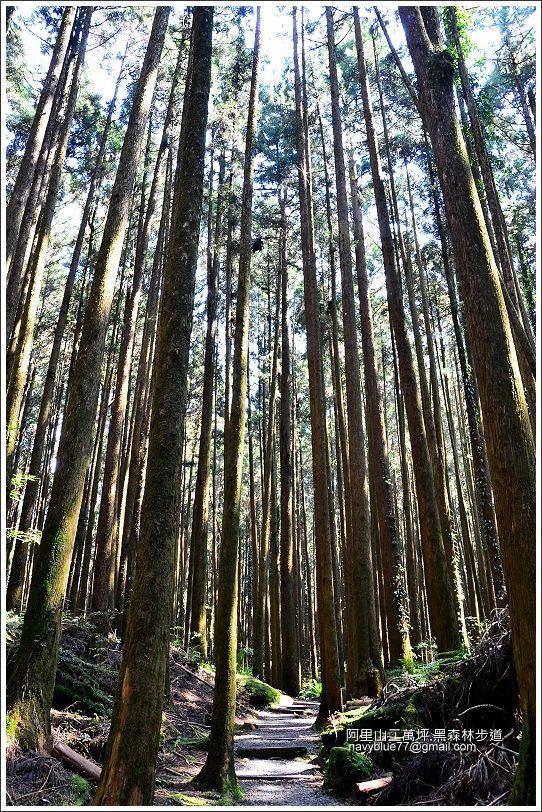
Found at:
(331, 699)
(440, 600)
(219, 771)
(29, 162)
(129, 768)
(510, 444)
(30, 688)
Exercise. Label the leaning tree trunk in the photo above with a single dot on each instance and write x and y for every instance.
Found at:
(30, 689)
(38, 445)
(510, 444)
(30, 160)
(108, 526)
(130, 762)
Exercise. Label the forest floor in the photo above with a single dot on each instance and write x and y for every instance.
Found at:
(82, 724)
(478, 692)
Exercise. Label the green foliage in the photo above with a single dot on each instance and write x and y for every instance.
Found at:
(258, 693)
(311, 689)
(18, 483)
(11, 726)
(242, 655)
(344, 767)
(31, 536)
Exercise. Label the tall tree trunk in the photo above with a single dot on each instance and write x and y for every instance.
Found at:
(129, 769)
(379, 465)
(365, 670)
(22, 338)
(520, 323)
(219, 770)
(107, 530)
(484, 498)
(30, 688)
(440, 599)
(289, 616)
(198, 611)
(510, 444)
(267, 502)
(35, 466)
(331, 699)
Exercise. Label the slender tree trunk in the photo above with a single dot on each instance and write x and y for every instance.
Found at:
(365, 670)
(219, 770)
(198, 613)
(35, 467)
(379, 466)
(107, 530)
(22, 345)
(30, 161)
(331, 699)
(263, 554)
(291, 674)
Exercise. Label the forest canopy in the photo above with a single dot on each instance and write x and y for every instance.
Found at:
(270, 330)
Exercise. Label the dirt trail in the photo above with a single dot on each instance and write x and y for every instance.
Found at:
(281, 778)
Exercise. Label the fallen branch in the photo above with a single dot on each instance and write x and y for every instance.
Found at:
(365, 787)
(188, 671)
(80, 764)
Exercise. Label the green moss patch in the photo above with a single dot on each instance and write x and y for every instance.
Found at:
(258, 694)
(386, 717)
(344, 767)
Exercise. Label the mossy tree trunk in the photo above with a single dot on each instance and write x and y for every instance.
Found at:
(30, 688)
(218, 773)
(108, 526)
(16, 576)
(128, 773)
(267, 500)
(510, 444)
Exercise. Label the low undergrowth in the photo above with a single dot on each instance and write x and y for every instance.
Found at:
(449, 733)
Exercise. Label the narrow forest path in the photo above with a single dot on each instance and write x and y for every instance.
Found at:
(275, 762)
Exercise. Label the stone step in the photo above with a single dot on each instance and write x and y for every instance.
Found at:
(264, 777)
(271, 752)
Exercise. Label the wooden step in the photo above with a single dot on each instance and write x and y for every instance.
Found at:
(271, 752)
